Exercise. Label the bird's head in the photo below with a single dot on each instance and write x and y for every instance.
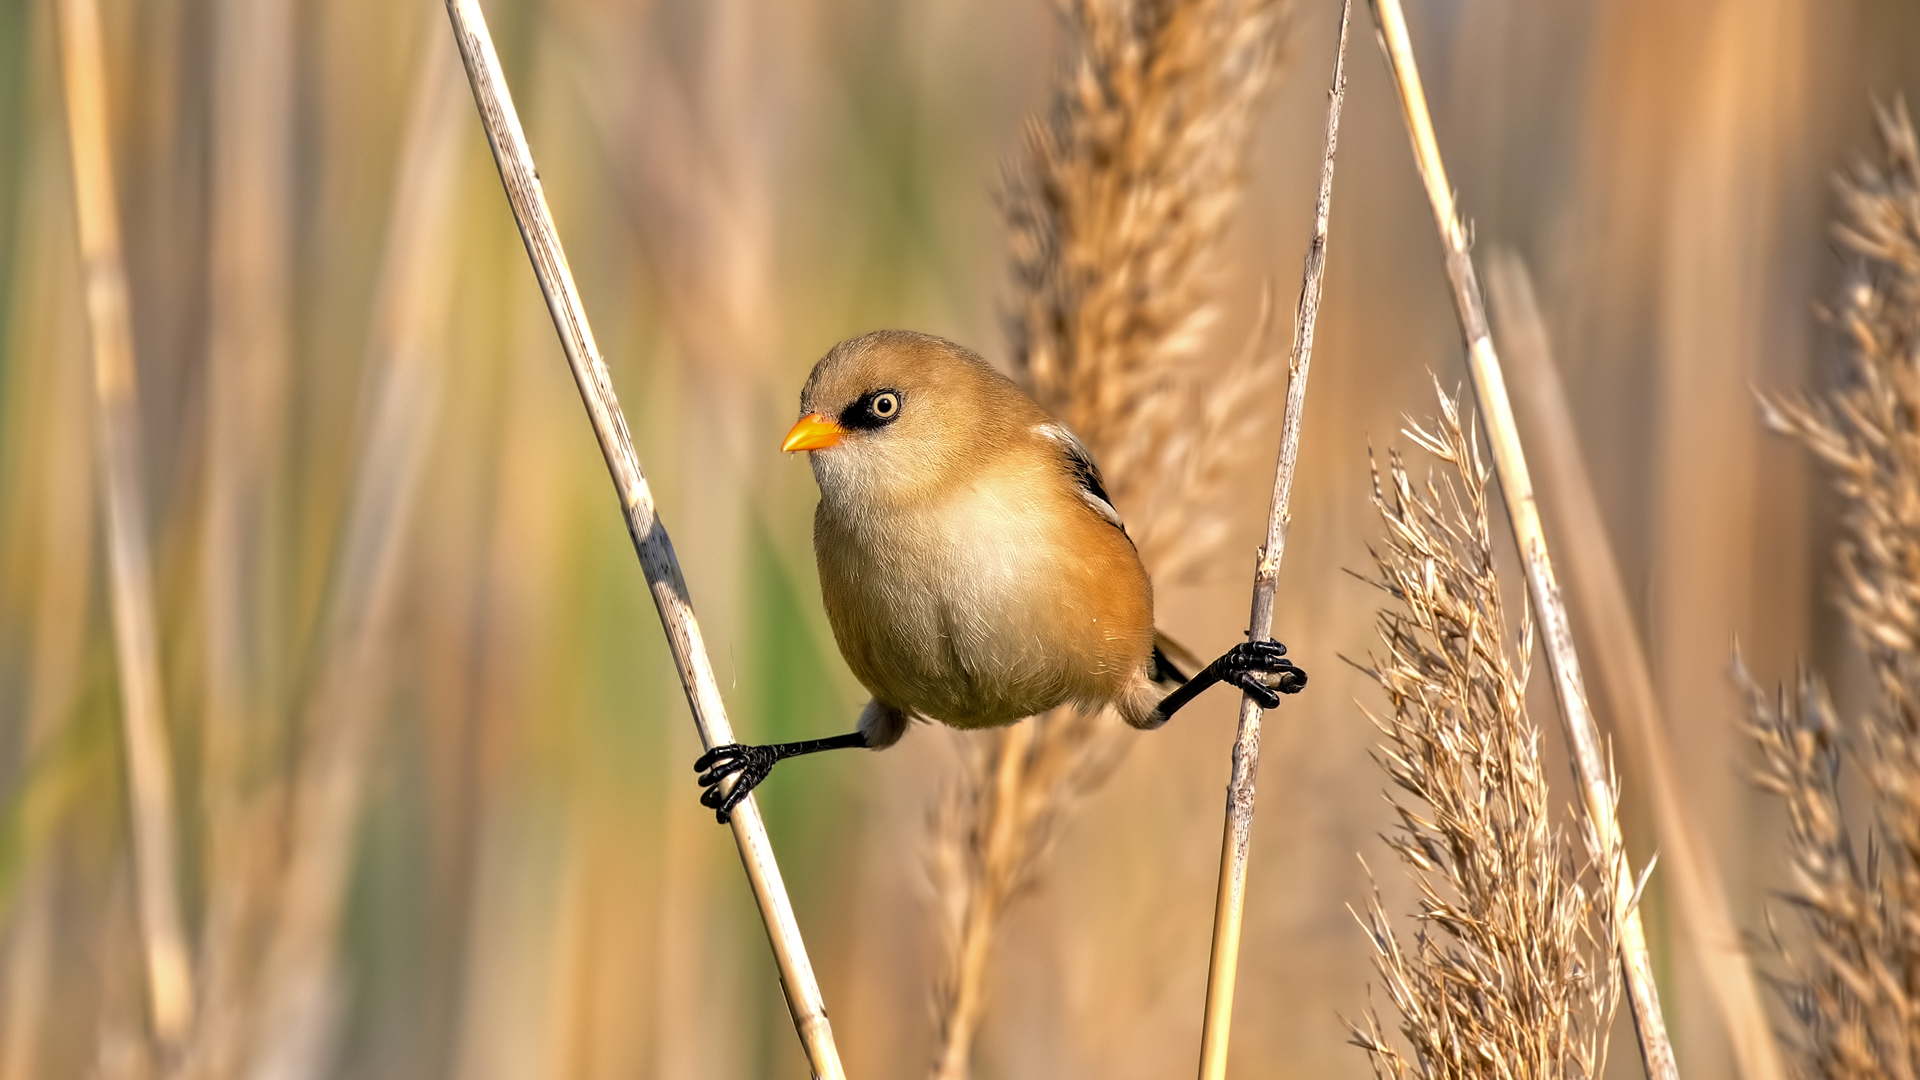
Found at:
(887, 415)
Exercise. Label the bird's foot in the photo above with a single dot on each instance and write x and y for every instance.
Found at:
(1262, 670)
(748, 765)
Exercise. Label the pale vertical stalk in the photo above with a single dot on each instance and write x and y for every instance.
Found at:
(1230, 899)
(1590, 758)
(247, 360)
(1729, 544)
(116, 419)
(298, 1001)
(650, 540)
(1693, 878)
(248, 357)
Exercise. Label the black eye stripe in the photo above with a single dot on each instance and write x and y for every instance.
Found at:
(873, 410)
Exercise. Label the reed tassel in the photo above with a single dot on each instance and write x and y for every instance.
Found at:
(1115, 210)
(650, 540)
(1506, 973)
(116, 418)
(1851, 786)
(1590, 759)
(1230, 900)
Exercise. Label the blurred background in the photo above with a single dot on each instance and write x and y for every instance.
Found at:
(393, 587)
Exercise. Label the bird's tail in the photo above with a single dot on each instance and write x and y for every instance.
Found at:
(1170, 657)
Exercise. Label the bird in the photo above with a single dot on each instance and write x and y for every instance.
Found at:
(973, 568)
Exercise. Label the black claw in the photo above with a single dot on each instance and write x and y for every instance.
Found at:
(718, 754)
(747, 764)
(1263, 664)
(1258, 690)
(1260, 668)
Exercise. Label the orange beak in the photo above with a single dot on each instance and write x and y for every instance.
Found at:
(813, 432)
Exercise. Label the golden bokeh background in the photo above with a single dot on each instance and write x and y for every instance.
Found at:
(527, 887)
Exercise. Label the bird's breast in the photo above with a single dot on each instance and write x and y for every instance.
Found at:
(999, 601)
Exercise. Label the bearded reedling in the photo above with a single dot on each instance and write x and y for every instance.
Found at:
(973, 569)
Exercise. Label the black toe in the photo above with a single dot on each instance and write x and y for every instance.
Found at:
(748, 765)
(725, 752)
(1259, 691)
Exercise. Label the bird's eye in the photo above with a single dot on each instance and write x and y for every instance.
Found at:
(885, 405)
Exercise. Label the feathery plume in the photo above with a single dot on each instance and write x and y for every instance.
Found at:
(1510, 973)
(1854, 989)
(1116, 209)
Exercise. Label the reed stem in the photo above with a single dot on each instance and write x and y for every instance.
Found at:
(650, 540)
(116, 418)
(1590, 759)
(1230, 900)
(1694, 885)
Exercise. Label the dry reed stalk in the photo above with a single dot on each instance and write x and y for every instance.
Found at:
(116, 418)
(297, 1001)
(1115, 211)
(249, 357)
(1591, 766)
(666, 583)
(1506, 976)
(1692, 877)
(1854, 988)
(1231, 897)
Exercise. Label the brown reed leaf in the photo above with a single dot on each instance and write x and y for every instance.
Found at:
(1115, 211)
(1853, 990)
(1509, 974)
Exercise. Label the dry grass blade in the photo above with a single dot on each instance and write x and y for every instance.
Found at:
(1592, 767)
(1231, 897)
(662, 568)
(148, 760)
(1854, 991)
(1507, 976)
(1115, 211)
(1692, 877)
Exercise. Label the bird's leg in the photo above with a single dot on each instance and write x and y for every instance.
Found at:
(1242, 666)
(750, 764)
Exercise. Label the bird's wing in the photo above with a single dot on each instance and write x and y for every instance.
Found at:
(1085, 472)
